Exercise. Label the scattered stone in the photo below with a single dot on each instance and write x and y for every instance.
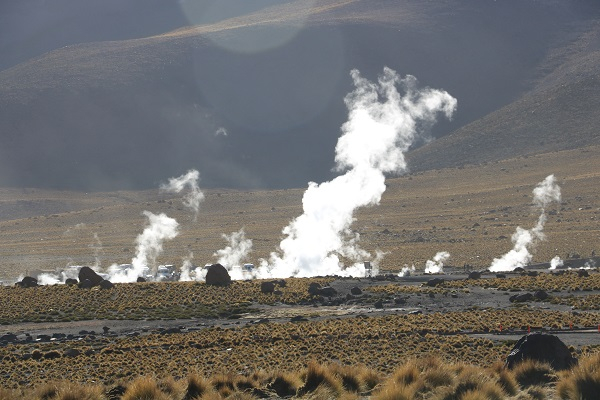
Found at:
(27, 282)
(217, 275)
(474, 275)
(532, 273)
(105, 329)
(501, 276)
(543, 348)
(519, 269)
(435, 282)
(378, 304)
(71, 281)
(327, 291)
(85, 284)
(71, 353)
(52, 354)
(314, 288)
(541, 295)
(91, 275)
(520, 298)
(267, 287)
(106, 284)
(140, 279)
(9, 337)
(170, 331)
(356, 291)
(281, 282)
(298, 318)
(583, 273)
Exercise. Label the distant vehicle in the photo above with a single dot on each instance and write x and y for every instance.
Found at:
(167, 273)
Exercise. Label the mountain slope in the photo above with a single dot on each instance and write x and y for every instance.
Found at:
(257, 100)
(560, 112)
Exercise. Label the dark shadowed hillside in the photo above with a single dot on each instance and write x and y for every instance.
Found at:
(256, 100)
(560, 112)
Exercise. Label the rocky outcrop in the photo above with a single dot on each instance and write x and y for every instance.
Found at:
(544, 348)
(217, 275)
(90, 275)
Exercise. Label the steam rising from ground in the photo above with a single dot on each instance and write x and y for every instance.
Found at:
(149, 246)
(234, 254)
(546, 192)
(190, 180)
(436, 266)
(382, 125)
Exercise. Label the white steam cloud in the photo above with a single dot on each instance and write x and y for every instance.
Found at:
(382, 125)
(149, 246)
(233, 256)
(189, 180)
(546, 192)
(436, 266)
(556, 262)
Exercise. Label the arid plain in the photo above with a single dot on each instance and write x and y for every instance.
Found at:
(470, 212)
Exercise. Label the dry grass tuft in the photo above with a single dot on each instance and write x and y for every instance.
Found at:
(533, 373)
(317, 375)
(144, 388)
(582, 382)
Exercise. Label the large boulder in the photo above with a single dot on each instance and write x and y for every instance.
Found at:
(90, 275)
(104, 284)
(217, 275)
(544, 348)
(27, 282)
(327, 291)
(267, 287)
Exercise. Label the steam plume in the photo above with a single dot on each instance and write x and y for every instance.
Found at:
(546, 192)
(382, 125)
(149, 246)
(556, 262)
(436, 266)
(190, 180)
(232, 256)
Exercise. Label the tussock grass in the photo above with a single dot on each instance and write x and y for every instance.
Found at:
(583, 382)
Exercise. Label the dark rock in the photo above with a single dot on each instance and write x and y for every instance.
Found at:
(85, 284)
(277, 292)
(281, 282)
(544, 348)
(9, 337)
(432, 295)
(532, 273)
(52, 354)
(474, 275)
(71, 281)
(59, 336)
(217, 275)
(327, 291)
(541, 295)
(314, 288)
(106, 284)
(71, 353)
(521, 298)
(501, 276)
(583, 273)
(140, 279)
(519, 269)
(43, 338)
(378, 304)
(298, 318)
(27, 282)
(91, 275)
(105, 329)
(356, 291)
(415, 312)
(267, 287)
(435, 282)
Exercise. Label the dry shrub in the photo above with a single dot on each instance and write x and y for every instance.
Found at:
(6, 394)
(197, 386)
(285, 384)
(144, 388)
(533, 373)
(394, 392)
(582, 382)
(319, 375)
(68, 391)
